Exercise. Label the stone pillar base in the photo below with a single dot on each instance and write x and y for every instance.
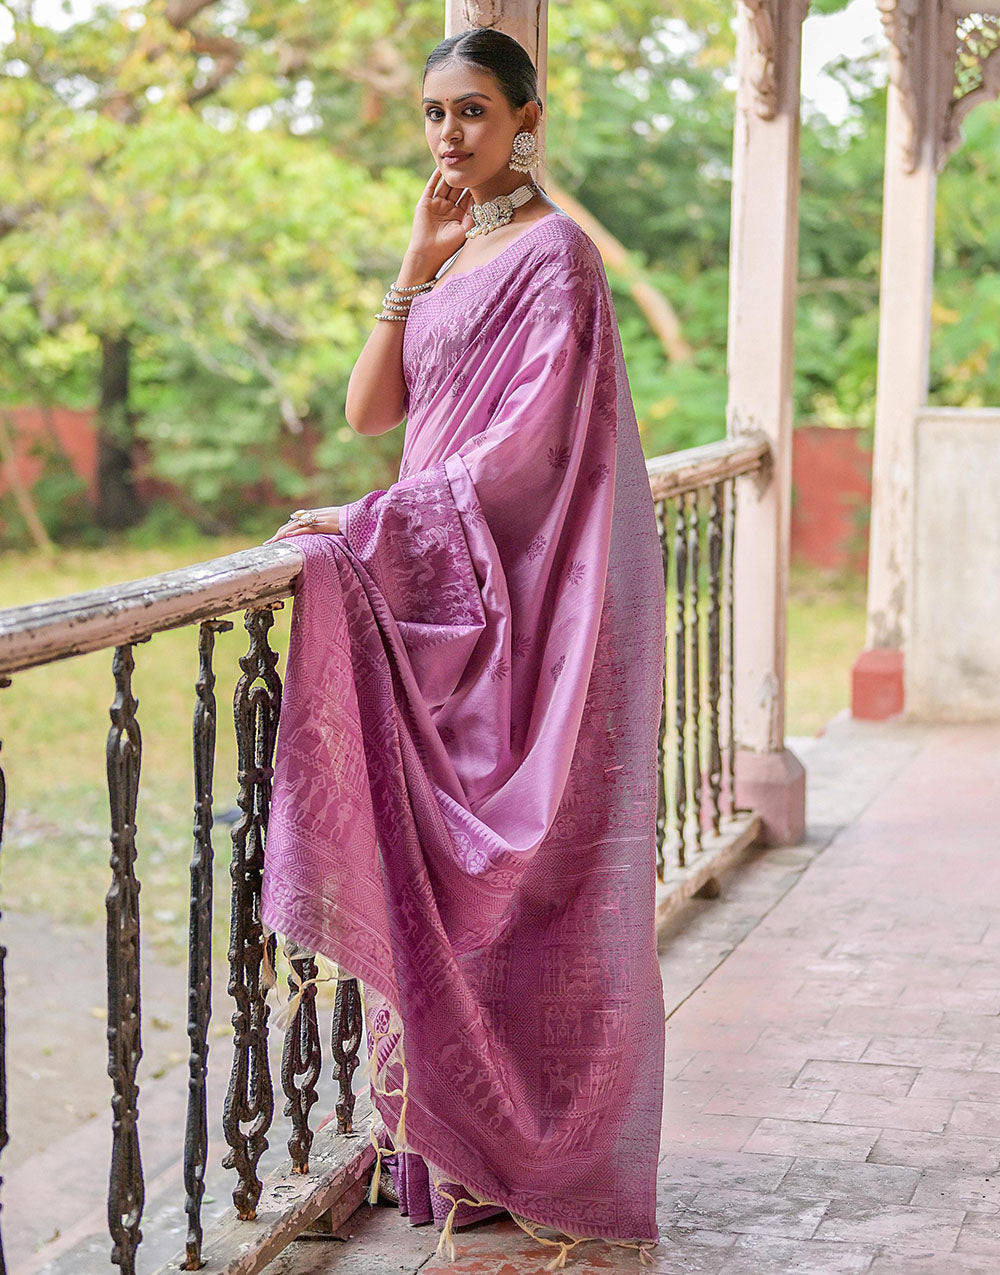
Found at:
(877, 684)
(773, 785)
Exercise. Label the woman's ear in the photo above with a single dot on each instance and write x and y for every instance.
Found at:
(532, 114)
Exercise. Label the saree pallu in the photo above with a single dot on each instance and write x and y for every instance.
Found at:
(464, 792)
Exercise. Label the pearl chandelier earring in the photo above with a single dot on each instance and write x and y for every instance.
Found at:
(524, 153)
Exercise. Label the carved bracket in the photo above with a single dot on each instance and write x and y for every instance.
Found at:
(943, 60)
(976, 75)
(766, 22)
(764, 55)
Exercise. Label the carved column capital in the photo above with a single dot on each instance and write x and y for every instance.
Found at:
(482, 13)
(901, 19)
(767, 19)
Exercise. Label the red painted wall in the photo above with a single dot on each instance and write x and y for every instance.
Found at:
(831, 497)
(831, 478)
(70, 430)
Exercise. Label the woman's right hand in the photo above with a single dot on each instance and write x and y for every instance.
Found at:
(440, 220)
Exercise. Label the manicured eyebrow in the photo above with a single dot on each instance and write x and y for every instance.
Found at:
(433, 100)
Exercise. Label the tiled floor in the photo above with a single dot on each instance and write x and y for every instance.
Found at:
(833, 1076)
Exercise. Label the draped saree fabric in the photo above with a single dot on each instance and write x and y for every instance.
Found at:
(465, 778)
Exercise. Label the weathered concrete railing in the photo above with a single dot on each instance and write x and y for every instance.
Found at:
(698, 828)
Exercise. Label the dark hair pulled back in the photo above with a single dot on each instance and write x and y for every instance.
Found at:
(493, 51)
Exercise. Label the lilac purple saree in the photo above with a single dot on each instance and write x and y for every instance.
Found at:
(464, 790)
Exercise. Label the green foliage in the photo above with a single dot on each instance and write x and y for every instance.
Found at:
(164, 524)
(646, 147)
(840, 215)
(965, 350)
(239, 221)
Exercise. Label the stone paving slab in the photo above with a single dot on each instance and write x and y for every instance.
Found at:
(833, 1068)
(833, 1047)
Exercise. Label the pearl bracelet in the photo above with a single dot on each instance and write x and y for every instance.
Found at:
(397, 300)
(416, 287)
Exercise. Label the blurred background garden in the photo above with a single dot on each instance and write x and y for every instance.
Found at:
(201, 205)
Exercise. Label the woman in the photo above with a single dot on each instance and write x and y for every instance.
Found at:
(464, 789)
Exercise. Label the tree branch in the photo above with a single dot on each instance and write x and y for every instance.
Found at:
(660, 314)
(180, 12)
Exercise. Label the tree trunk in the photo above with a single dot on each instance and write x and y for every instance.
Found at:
(117, 502)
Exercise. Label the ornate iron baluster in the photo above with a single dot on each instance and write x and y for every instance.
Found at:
(250, 1098)
(661, 738)
(124, 754)
(4, 1136)
(346, 1040)
(301, 1060)
(730, 657)
(714, 649)
(694, 554)
(200, 943)
(680, 689)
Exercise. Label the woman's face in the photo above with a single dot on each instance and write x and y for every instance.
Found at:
(469, 123)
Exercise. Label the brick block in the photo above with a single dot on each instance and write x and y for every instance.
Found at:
(973, 1086)
(922, 1051)
(941, 1188)
(765, 1255)
(760, 1100)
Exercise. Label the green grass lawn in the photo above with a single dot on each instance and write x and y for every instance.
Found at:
(54, 722)
(826, 633)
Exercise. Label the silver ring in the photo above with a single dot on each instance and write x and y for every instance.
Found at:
(307, 517)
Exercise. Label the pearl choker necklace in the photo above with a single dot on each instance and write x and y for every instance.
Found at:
(499, 211)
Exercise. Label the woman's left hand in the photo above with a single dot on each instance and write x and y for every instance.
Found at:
(325, 521)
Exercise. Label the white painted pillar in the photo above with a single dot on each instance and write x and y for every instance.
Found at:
(763, 271)
(910, 187)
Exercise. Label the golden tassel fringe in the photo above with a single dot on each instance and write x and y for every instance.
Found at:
(377, 1170)
(446, 1241)
(446, 1244)
(285, 1015)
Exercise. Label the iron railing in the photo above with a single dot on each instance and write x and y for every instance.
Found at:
(694, 493)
